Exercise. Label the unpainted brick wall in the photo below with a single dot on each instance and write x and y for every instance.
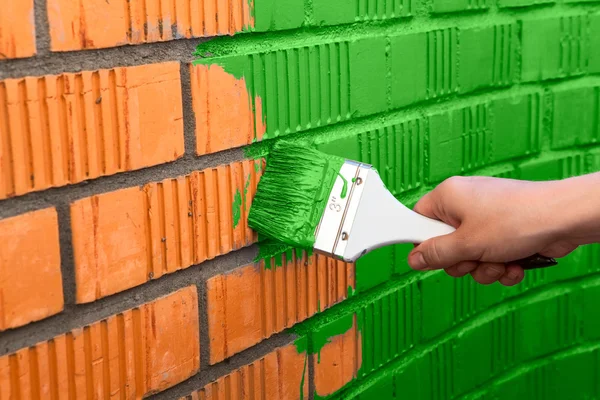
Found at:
(128, 165)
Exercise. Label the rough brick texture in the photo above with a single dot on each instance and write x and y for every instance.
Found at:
(254, 302)
(76, 26)
(128, 355)
(125, 238)
(30, 279)
(128, 166)
(17, 37)
(67, 128)
(281, 374)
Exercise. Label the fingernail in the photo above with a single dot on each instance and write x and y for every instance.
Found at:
(417, 261)
(493, 272)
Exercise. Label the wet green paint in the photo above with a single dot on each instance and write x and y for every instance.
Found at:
(272, 253)
(236, 208)
(319, 338)
(246, 187)
(292, 194)
(344, 187)
(303, 377)
(351, 291)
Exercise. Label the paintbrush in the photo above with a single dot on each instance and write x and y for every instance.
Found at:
(341, 208)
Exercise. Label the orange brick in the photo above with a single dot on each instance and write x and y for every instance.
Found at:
(281, 374)
(125, 238)
(223, 109)
(57, 130)
(338, 362)
(17, 29)
(127, 356)
(252, 303)
(30, 278)
(96, 24)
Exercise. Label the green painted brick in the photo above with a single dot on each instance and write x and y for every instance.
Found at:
(551, 324)
(424, 66)
(593, 161)
(555, 168)
(556, 377)
(374, 268)
(316, 85)
(381, 9)
(483, 134)
(401, 252)
(576, 116)
(498, 336)
(380, 265)
(444, 6)
(368, 76)
(554, 47)
(389, 326)
(429, 376)
(522, 3)
(565, 376)
(383, 388)
(517, 125)
(579, 263)
(334, 12)
(594, 61)
(437, 311)
(396, 151)
(275, 15)
(589, 312)
(488, 56)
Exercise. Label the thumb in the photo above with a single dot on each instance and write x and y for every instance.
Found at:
(439, 252)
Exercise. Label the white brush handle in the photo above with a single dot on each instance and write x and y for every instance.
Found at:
(382, 220)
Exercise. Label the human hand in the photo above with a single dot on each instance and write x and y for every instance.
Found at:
(498, 221)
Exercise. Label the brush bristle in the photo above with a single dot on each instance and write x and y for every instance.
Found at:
(292, 194)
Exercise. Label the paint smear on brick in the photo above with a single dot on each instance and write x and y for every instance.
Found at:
(227, 115)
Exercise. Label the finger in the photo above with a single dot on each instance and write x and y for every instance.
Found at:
(558, 250)
(462, 268)
(426, 205)
(514, 275)
(442, 252)
(488, 273)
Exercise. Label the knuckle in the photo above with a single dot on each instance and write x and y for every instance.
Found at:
(453, 183)
(435, 254)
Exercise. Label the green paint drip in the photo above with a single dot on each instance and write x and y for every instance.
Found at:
(345, 187)
(293, 193)
(248, 181)
(351, 291)
(271, 252)
(237, 208)
(303, 377)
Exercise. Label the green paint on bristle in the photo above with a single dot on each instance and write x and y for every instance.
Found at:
(292, 194)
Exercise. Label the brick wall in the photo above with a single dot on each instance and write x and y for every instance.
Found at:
(131, 141)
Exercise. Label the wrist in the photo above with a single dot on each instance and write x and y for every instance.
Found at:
(573, 209)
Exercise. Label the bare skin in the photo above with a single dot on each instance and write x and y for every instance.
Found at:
(502, 220)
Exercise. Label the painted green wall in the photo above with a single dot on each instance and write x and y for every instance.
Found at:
(424, 90)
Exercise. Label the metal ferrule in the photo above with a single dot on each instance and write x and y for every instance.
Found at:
(335, 226)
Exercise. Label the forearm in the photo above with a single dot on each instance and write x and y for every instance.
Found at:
(575, 203)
